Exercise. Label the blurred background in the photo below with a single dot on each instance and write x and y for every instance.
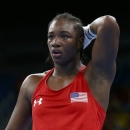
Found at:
(23, 51)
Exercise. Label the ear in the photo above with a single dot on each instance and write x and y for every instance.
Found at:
(80, 43)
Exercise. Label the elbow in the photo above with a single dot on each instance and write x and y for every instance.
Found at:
(110, 22)
(109, 27)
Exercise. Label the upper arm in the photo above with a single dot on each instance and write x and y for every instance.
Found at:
(21, 116)
(100, 72)
(105, 48)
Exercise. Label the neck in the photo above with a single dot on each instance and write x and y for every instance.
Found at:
(67, 70)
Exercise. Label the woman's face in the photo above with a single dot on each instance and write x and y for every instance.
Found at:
(62, 41)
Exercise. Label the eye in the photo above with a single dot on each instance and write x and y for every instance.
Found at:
(50, 37)
(64, 36)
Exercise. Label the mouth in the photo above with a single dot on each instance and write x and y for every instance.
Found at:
(56, 53)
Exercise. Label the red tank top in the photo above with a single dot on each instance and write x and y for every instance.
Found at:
(71, 108)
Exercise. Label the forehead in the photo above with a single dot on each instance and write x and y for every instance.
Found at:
(61, 25)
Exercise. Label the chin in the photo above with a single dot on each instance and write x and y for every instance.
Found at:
(59, 62)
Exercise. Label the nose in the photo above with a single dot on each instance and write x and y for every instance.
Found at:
(56, 42)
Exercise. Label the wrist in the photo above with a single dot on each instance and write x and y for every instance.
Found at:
(88, 35)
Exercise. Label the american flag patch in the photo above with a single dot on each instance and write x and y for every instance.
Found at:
(79, 97)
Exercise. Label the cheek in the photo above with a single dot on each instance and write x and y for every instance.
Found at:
(71, 52)
(49, 45)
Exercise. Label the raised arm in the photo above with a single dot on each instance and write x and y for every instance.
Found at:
(105, 48)
(101, 70)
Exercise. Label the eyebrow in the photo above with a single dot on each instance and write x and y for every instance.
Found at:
(60, 32)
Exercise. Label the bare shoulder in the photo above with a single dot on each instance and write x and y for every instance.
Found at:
(31, 81)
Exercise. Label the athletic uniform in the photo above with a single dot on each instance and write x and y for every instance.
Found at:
(71, 108)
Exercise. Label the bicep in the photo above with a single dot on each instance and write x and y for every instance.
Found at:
(105, 48)
(21, 116)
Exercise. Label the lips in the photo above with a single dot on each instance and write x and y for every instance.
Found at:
(56, 53)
